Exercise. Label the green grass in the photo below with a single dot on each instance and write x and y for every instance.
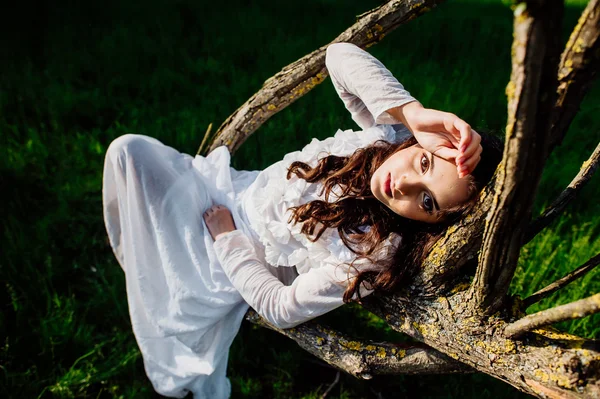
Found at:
(89, 72)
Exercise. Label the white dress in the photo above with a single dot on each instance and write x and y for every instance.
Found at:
(187, 294)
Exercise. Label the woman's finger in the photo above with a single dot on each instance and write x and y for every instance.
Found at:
(453, 138)
(471, 164)
(447, 153)
(451, 130)
(465, 132)
(472, 149)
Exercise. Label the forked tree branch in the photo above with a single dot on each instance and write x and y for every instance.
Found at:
(301, 76)
(560, 283)
(365, 359)
(531, 93)
(570, 311)
(588, 168)
(578, 67)
(579, 62)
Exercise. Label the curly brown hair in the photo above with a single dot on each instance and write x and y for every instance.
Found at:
(355, 208)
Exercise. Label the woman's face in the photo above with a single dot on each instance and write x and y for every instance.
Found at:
(416, 184)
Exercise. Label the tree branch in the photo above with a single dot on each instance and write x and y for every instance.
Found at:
(563, 363)
(578, 67)
(301, 76)
(462, 241)
(570, 311)
(531, 93)
(588, 168)
(560, 283)
(365, 359)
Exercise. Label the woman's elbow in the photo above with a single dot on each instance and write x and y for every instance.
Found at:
(283, 319)
(335, 52)
(280, 322)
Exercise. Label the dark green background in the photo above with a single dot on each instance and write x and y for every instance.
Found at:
(75, 75)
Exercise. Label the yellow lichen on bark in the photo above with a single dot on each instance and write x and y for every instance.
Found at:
(354, 345)
(566, 69)
(579, 46)
(429, 330)
(560, 380)
(509, 346)
(460, 287)
(541, 375)
(438, 252)
(510, 90)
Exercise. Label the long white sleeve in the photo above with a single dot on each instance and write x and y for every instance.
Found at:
(367, 88)
(310, 295)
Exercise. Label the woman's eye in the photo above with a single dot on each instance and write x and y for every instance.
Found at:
(427, 203)
(424, 163)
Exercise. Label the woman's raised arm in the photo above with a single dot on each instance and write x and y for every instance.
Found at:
(374, 96)
(367, 88)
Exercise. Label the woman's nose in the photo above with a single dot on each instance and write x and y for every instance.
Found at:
(404, 185)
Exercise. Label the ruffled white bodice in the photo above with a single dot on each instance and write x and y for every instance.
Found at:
(268, 201)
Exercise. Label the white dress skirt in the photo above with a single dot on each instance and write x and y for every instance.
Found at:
(184, 311)
(188, 294)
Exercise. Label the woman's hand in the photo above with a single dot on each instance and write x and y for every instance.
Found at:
(443, 134)
(219, 221)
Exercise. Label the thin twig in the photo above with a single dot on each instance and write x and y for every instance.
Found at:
(330, 387)
(570, 311)
(205, 139)
(560, 283)
(588, 168)
(378, 394)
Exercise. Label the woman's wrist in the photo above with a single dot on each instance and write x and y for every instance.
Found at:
(407, 113)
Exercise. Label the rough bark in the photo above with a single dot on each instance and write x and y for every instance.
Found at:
(460, 244)
(301, 76)
(365, 359)
(531, 92)
(545, 362)
(579, 65)
(459, 322)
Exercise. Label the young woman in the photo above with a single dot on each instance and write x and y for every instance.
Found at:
(200, 241)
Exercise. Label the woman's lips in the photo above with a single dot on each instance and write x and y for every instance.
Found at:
(386, 186)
